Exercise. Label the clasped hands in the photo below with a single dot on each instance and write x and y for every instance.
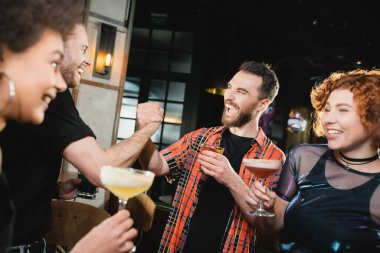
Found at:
(149, 114)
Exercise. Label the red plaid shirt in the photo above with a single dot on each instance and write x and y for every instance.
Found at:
(184, 167)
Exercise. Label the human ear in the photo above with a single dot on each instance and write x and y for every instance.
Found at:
(263, 104)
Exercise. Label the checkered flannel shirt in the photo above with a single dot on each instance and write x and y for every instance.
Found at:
(184, 167)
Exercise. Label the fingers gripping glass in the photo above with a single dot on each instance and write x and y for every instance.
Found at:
(125, 183)
(212, 148)
(262, 169)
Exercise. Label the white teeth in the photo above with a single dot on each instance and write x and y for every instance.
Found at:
(46, 99)
(228, 107)
(333, 131)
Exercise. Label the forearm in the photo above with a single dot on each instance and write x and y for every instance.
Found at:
(240, 192)
(151, 159)
(126, 152)
(274, 224)
(88, 156)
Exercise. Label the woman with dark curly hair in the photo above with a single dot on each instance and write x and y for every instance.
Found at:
(31, 50)
(328, 197)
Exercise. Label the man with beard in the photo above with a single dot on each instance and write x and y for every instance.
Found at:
(33, 154)
(208, 212)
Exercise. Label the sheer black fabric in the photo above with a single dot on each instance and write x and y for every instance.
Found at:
(332, 208)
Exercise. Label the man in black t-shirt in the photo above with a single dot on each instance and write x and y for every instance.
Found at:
(33, 154)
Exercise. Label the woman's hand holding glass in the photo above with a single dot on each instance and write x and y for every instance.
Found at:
(262, 169)
(115, 234)
(125, 183)
(260, 193)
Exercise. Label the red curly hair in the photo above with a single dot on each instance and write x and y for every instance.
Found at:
(365, 85)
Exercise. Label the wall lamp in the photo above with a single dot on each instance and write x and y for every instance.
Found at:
(216, 91)
(218, 87)
(104, 55)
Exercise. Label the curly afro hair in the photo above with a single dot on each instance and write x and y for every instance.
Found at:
(24, 21)
(365, 85)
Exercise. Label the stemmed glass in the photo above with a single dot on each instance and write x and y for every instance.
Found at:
(262, 169)
(125, 183)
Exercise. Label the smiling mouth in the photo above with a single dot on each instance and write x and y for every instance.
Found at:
(334, 131)
(47, 98)
(45, 103)
(80, 71)
(230, 108)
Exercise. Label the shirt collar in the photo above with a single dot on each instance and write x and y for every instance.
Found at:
(259, 139)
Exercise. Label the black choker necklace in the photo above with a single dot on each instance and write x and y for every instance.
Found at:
(358, 160)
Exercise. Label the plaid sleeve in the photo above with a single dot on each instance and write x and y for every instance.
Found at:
(277, 154)
(175, 156)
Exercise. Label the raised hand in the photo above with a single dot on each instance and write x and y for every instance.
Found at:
(149, 113)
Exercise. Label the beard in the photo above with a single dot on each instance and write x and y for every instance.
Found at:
(69, 71)
(69, 75)
(243, 117)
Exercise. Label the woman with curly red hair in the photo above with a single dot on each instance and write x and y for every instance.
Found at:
(328, 197)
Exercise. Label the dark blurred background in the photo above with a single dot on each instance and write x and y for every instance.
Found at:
(304, 40)
(180, 48)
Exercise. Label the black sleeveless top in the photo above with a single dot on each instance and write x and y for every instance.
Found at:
(332, 208)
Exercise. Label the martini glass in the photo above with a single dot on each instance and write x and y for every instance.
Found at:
(262, 169)
(125, 183)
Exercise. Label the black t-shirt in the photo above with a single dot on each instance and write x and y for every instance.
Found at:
(215, 204)
(6, 215)
(32, 160)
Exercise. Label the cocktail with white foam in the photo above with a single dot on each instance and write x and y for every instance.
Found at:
(262, 169)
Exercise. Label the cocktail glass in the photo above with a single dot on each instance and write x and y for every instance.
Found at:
(209, 147)
(212, 148)
(125, 183)
(262, 169)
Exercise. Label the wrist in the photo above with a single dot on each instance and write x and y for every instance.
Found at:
(146, 132)
(234, 182)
